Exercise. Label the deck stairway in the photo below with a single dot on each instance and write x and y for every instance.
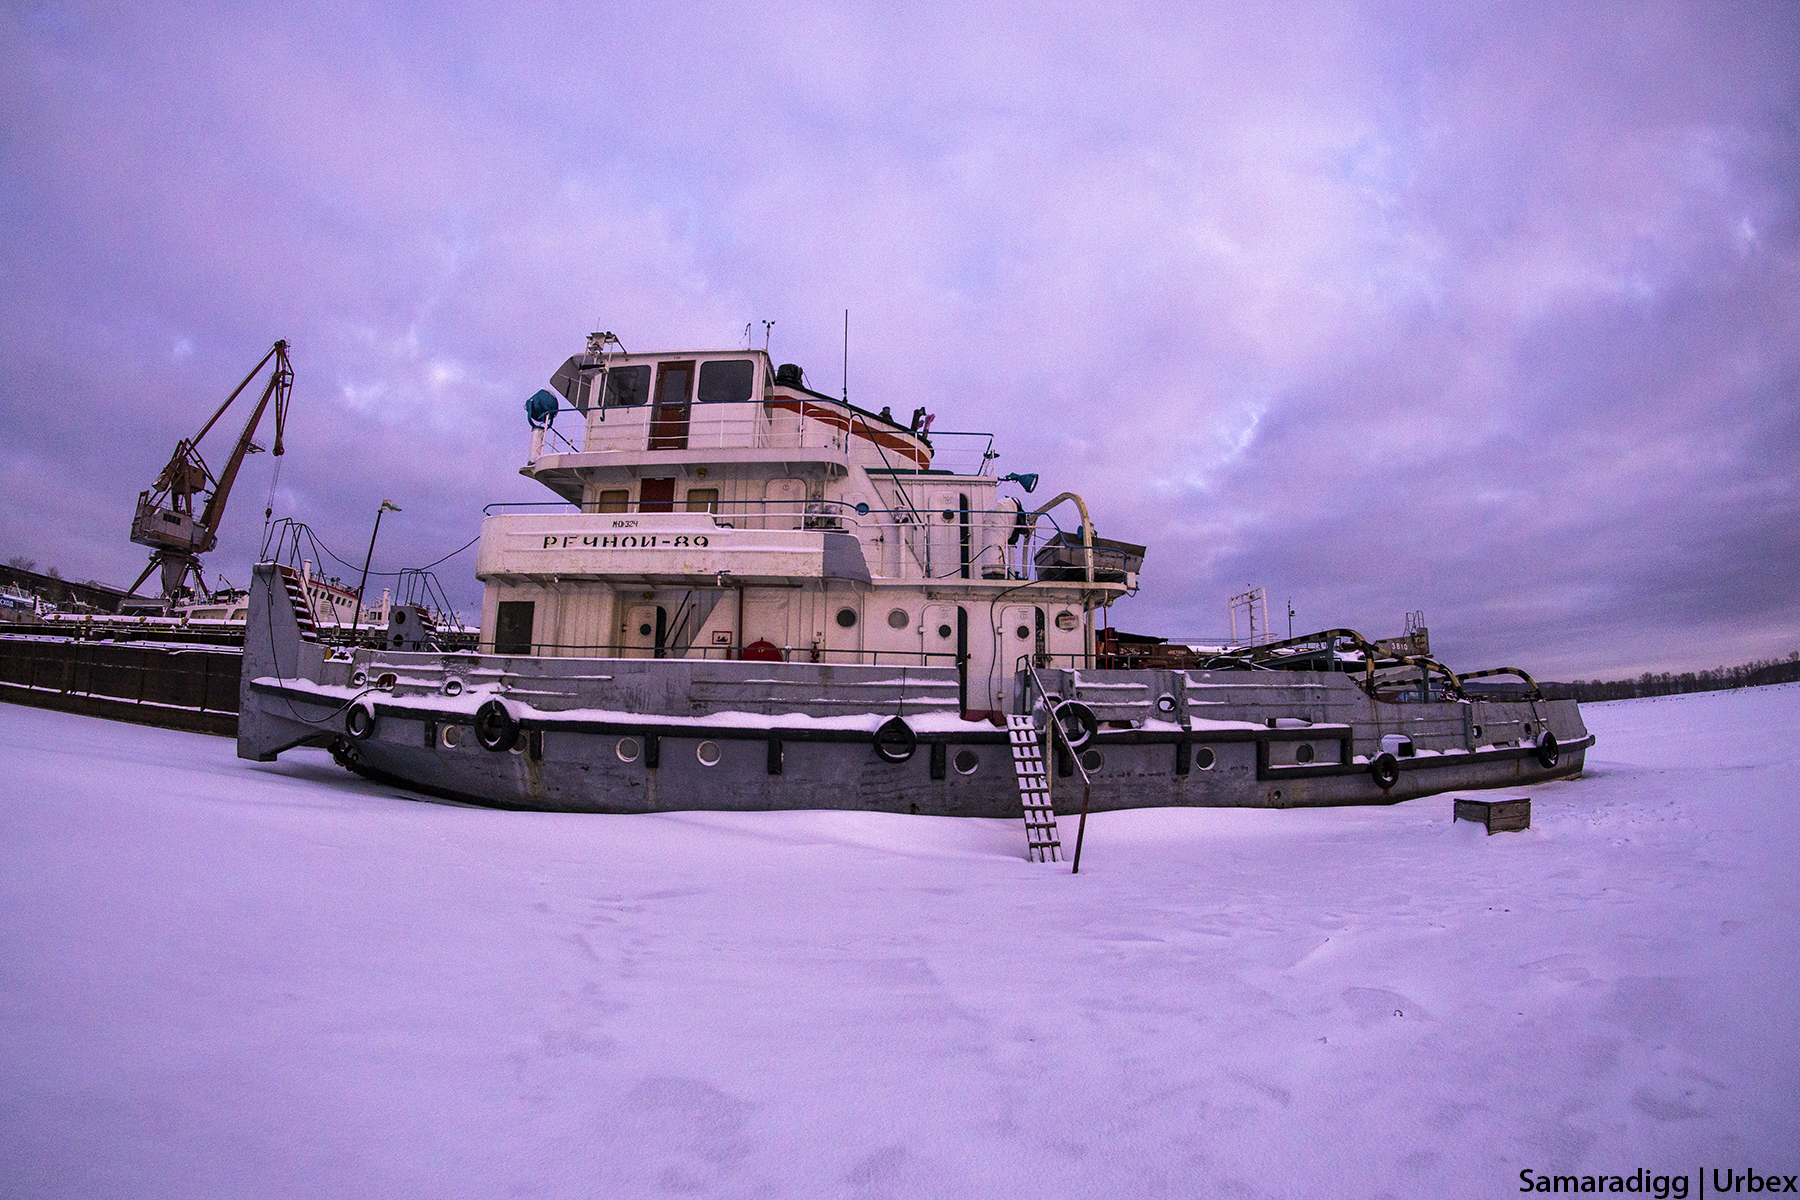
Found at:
(296, 592)
(1041, 844)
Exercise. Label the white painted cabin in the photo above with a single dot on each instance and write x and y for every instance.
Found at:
(713, 507)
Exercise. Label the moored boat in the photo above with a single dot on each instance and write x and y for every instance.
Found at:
(751, 595)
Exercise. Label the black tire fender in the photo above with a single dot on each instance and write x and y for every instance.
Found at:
(1386, 770)
(1082, 718)
(495, 727)
(359, 723)
(895, 741)
(1548, 752)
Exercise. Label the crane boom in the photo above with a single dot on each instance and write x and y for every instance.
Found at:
(165, 519)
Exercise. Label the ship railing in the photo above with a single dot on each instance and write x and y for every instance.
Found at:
(867, 656)
(735, 424)
(903, 543)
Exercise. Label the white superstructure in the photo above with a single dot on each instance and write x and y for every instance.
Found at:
(718, 508)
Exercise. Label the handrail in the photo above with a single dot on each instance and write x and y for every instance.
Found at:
(1372, 655)
(1533, 693)
(1053, 719)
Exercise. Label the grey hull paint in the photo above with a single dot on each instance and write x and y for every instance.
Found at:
(793, 757)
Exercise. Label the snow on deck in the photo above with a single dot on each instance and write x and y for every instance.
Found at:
(226, 979)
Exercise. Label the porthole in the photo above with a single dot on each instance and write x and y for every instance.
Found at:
(1024, 631)
(1528, 727)
(862, 508)
(1067, 620)
(1092, 760)
(1204, 758)
(627, 749)
(898, 619)
(1165, 704)
(1478, 731)
(644, 630)
(451, 736)
(453, 686)
(945, 631)
(358, 678)
(966, 761)
(387, 681)
(707, 753)
(1303, 752)
(949, 514)
(846, 617)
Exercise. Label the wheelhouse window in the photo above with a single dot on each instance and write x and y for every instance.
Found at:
(627, 387)
(726, 382)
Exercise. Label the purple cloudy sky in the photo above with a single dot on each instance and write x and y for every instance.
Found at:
(1487, 310)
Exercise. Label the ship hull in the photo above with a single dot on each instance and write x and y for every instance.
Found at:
(658, 735)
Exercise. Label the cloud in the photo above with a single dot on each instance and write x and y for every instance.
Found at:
(1485, 311)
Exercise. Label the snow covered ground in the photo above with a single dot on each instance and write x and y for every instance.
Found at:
(225, 979)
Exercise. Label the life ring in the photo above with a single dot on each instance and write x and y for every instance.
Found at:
(895, 741)
(1386, 770)
(1073, 711)
(359, 723)
(495, 728)
(1548, 752)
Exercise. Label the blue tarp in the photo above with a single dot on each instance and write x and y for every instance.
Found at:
(541, 409)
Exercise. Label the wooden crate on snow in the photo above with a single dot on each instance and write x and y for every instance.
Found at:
(1503, 815)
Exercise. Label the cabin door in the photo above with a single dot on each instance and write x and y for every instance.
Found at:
(784, 503)
(656, 495)
(947, 644)
(669, 417)
(646, 628)
(843, 627)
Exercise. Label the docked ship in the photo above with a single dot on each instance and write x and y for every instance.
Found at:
(748, 594)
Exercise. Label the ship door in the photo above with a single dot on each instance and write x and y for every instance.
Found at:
(947, 643)
(843, 627)
(656, 495)
(646, 631)
(669, 416)
(1019, 633)
(784, 503)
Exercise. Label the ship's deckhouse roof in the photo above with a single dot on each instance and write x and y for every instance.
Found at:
(717, 405)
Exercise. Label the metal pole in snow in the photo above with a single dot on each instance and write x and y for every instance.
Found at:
(1081, 829)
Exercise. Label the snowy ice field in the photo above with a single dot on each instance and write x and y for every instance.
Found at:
(226, 979)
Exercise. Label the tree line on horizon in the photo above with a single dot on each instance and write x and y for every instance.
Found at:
(1669, 683)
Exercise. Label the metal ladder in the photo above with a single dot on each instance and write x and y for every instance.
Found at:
(1041, 844)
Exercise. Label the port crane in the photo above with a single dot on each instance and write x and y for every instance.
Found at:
(165, 520)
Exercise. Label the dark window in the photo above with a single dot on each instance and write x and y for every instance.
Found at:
(846, 617)
(726, 382)
(512, 629)
(1304, 752)
(627, 386)
(1204, 758)
(613, 500)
